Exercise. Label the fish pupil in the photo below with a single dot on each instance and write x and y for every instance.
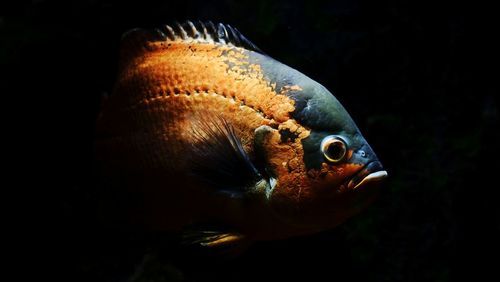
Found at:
(336, 150)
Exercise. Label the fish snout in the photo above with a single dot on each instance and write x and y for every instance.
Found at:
(372, 170)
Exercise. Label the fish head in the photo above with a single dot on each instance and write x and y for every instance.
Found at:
(327, 171)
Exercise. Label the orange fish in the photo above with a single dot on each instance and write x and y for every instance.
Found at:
(218, 139)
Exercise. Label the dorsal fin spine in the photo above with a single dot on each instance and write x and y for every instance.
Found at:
(161, 34)
(221, 33)
(194, 31)
(204, 33)
(170, 32)
(211, 31)
(234, 34)
(181, 30)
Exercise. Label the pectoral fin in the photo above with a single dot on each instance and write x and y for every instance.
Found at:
(219, 159)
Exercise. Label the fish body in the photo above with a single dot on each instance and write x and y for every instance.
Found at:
(207, 129)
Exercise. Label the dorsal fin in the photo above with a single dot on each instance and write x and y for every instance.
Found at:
(135, 40)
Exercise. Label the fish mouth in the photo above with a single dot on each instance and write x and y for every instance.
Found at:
(371, 172)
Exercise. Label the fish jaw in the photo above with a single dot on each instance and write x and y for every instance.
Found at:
(372, 172)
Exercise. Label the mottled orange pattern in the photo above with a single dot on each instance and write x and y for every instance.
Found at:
(159, 92)
(163, 89)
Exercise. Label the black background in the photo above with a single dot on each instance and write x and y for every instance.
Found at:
(420, 80)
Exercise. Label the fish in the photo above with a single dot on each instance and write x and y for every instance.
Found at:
(215, 139)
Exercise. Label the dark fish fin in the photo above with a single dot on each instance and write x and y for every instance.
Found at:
(214, 241)
(135, 41)
(207, 32)
(219, 159)
(211, 238)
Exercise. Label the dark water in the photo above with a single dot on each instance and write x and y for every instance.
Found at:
(420, 80)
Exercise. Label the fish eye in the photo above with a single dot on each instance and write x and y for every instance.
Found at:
(334, 148)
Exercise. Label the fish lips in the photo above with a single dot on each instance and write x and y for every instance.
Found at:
(370, 173)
